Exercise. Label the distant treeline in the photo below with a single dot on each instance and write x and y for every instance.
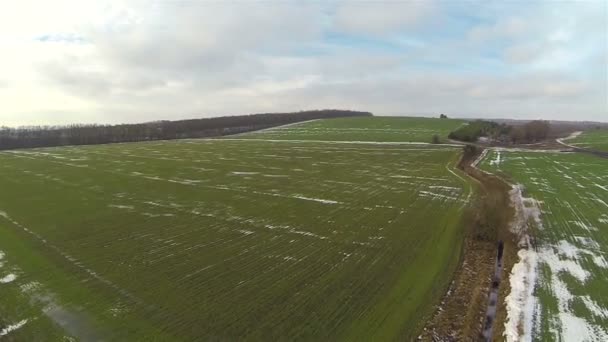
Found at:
(530, 132)
(47, 136)
(479, 128)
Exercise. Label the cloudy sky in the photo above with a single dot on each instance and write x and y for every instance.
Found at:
(65, 61)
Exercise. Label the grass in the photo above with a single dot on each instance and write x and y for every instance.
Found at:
(572, 242)
(596, 139)
(405, 129)
(229, 239)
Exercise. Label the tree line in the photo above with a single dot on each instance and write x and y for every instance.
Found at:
(48, 136)
(529, 132)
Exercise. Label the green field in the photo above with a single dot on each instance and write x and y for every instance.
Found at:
(570, 298)
(405, 129)
(228, 239)
(596, 139)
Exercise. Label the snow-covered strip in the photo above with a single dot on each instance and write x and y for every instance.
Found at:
(480, 158)
(184, 181)
(517, 149)
(305, 233)
(320, 200)
(157, 215)
(354, 129)
(434, 195)
(603, 187)
(362, 142)
(119, 206)
(419, 177)
(571, 136)
(521, 304)
(295, 231)
(8, 279)
(442, 187)
(274, 128)
(13, 327)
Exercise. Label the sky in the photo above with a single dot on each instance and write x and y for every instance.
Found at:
(82, 61)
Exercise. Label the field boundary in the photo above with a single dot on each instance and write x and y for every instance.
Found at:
(597, 153)
(470, 282)
(358, 142)
(264, 129)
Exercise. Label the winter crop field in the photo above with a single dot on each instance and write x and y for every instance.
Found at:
(567, 197)
(593, 139)
(402, 129)
(237, 239)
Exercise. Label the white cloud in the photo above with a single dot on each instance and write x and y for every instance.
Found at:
(129, 61)
(505, 28)
(380, 17)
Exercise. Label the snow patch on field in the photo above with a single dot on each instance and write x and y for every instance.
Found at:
(497, 159)
(305, 233)
(523, 308)
(564, 257)
(433, 195)
(595, 309)
(573, 252)
(527, 210)
(13, 327)
(603, 187)
(563, 260)
(583, 225)
(450, 188)
(320, 200)
(295, 231)
(8, 279)
(118, 206)
(419, 177)
(601, 201)
(30, 287)
(157, 215)
(573, 328)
